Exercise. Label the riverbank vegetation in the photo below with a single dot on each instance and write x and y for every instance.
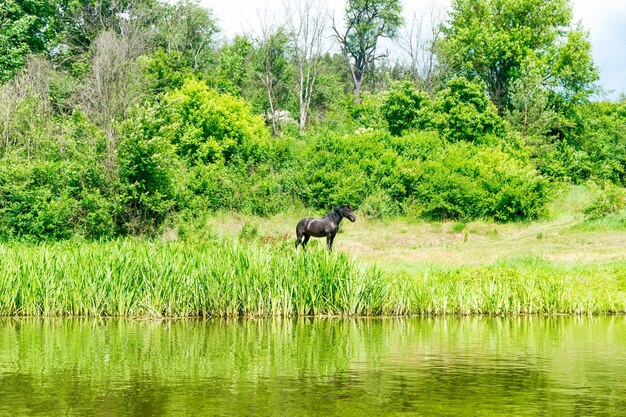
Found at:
(126, 123)
(239, 265)
(139, 278)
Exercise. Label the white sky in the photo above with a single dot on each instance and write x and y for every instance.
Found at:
(605, 20)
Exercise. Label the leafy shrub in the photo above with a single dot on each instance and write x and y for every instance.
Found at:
(234, 61)
(465, 182)
(516, 190)
(610, 200)
(464, 112)
(32, 202)
(164, 72)
(207, 127)
(59, 187)
(196, 148)
(367, 113)
(383, 175)
(405, 108)
(419, 145)
(346, 169)
(267, 191)
(447, 187)
(212, 187)
(147, 166)
(379, 205)
(45, 200)
(589, 142)
(262, 188)
(600, 143)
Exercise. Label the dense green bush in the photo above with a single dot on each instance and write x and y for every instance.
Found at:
(515, 190)
(59, 181)
(418, 145)
(206, 126)
(464, 112)
(198, 149)
(175, 157)
(54, 200)
(34, 203)
(383, 175)
(464, 181)
(610, 200)
(164, 72)
(262, 189)
(147, 168)
(587, 143)
(599, 143)
(366, 113)
(406, 108)
(346, 169)
(460, 111)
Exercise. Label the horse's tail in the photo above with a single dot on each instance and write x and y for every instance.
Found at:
(300, 228)
(300, 231)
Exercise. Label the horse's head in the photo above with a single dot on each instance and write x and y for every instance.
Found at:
(346, 211)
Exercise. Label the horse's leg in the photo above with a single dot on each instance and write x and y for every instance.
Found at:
(306, 240)
(329, 241)
(298, 239)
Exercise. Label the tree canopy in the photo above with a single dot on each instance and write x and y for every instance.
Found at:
(24, 29)
(366, 22)
(493, 40)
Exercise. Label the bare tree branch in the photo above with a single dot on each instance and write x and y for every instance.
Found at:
(418, 40)
(306, 23)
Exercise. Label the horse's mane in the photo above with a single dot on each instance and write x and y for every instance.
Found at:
(334, 210)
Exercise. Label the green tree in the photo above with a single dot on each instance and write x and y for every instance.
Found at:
(187, 28)
(405, 108)
(491, 40)
(271, 66)
(464, 112)
(530, 112)
(235, 66)
(573, 74)
(162, 72)
(366, 21)
(24, 29)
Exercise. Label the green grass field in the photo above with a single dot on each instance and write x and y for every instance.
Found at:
(232, 265)
(564, 237)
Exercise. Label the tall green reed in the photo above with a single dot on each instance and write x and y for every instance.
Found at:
(226, 279)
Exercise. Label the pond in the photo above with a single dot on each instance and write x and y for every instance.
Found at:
(313, 367)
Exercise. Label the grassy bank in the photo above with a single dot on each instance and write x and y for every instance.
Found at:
(565, 236)
(256, 278)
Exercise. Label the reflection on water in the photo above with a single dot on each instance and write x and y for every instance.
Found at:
(343, 367)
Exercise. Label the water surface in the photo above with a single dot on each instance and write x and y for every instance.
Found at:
(570, 366)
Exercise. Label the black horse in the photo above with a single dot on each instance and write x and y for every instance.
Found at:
(326, 226)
